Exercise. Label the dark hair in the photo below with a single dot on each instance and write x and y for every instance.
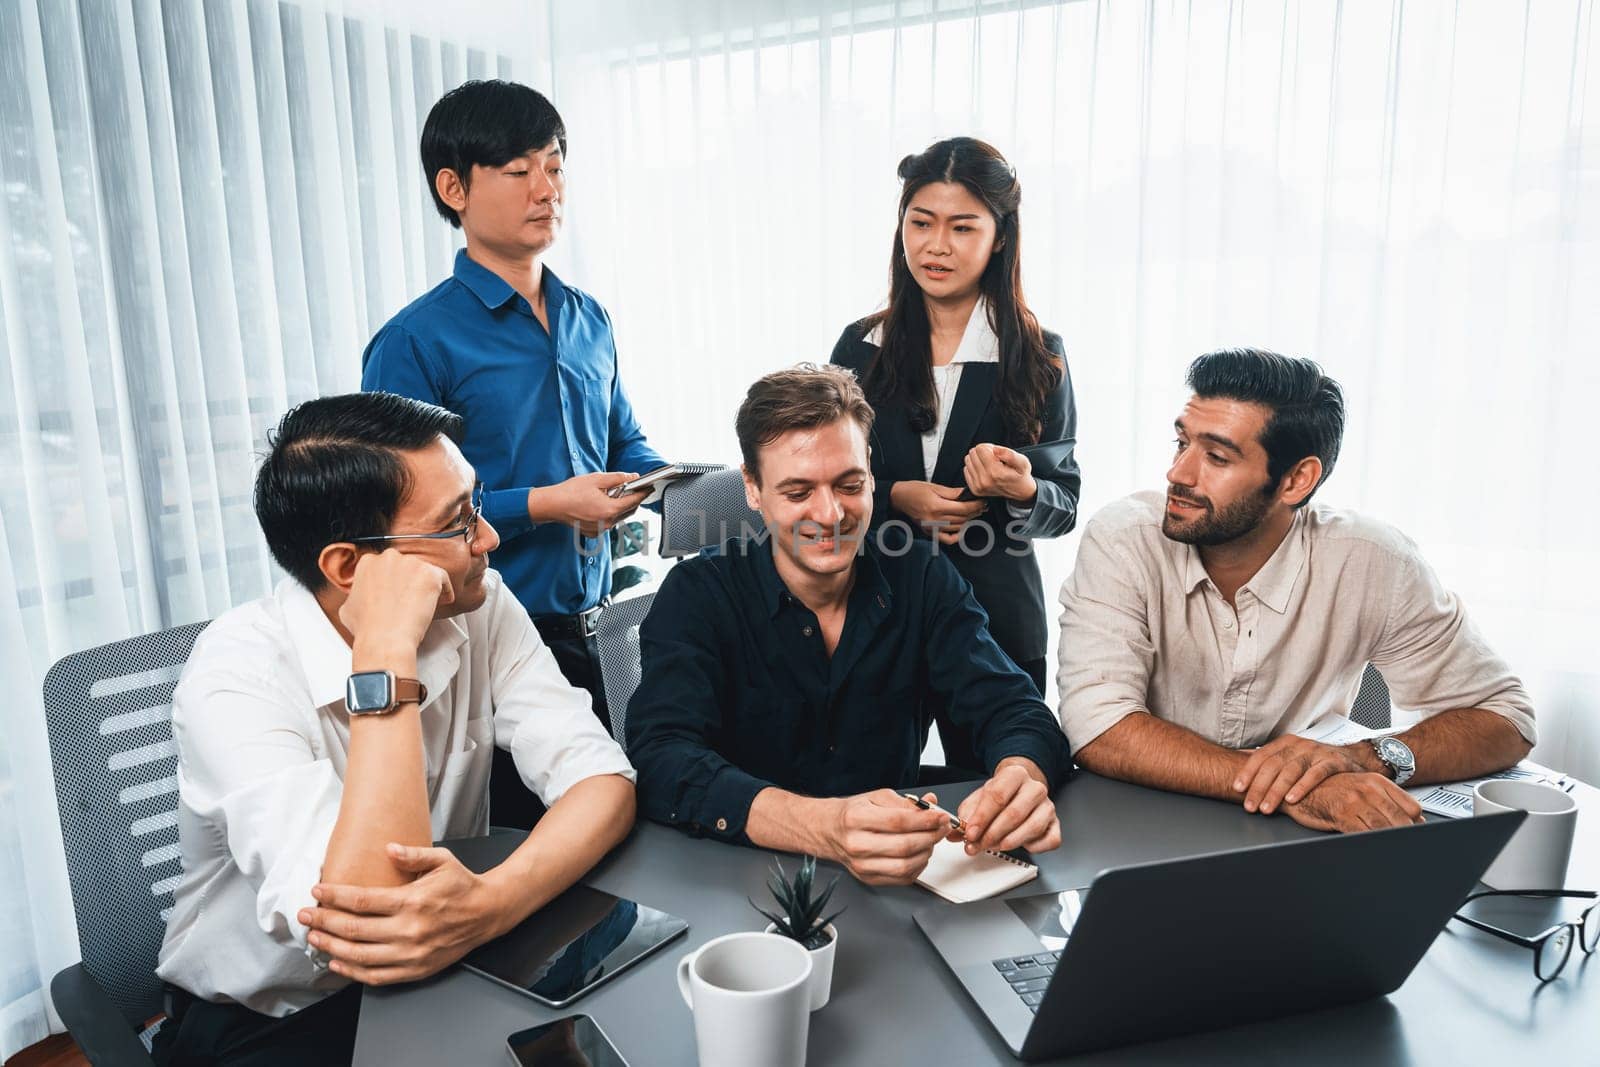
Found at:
(801, 398)
(486, 124)
(904, 368)
(1307, 406)
(333, 472)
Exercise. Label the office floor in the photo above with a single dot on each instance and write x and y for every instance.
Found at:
(57, 1051)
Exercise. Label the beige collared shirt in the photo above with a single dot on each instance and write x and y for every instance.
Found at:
(263, 738)
(1144, 629)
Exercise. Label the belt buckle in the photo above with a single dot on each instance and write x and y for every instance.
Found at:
(589, 621)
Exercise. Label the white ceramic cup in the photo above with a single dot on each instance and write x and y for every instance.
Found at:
(1537, 854)
(750, 994)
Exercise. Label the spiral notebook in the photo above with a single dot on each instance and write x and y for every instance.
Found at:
(961, 878)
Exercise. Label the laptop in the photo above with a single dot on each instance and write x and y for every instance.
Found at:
(1155, 950)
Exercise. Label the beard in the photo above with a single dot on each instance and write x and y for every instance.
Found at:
(1218, 527)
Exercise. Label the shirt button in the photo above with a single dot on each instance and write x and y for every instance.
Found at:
(722, 825)
(1227, 624)
(807, 631)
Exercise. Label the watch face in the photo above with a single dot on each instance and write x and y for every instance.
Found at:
(1395, 752)
(368, 691)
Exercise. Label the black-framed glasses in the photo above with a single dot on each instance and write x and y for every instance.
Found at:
(1552, 947)
(467, 530)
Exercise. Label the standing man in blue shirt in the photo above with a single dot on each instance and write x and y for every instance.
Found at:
(528, 361)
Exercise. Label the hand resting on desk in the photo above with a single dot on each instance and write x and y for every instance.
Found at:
(1362, 800)
(378, 935)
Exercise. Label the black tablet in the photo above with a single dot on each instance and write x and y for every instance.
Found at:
(572, 944)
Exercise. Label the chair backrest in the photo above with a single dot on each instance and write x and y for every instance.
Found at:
(108, 713)
(704, 510)
(618, 638)
(1371, 708)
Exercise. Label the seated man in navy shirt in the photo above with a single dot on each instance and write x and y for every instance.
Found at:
(790, 680)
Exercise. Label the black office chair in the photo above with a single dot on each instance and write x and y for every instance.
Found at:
(618, 637)
(1372, 708)
(705, 510)
(108, 713)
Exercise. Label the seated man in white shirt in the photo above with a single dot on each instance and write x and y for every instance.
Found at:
(1202, 630)
(307, 806)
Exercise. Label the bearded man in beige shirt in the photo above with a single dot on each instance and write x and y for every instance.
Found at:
(1202, 630)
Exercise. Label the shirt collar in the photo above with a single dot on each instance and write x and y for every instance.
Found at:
(1194, 572)
(495, 291)
(325, 658)
(1273, 583)
(870, 580)
(978, 342)
(485, 284)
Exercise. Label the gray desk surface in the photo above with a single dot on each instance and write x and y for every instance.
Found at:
(1473, 998)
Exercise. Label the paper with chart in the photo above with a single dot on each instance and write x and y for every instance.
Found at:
(1453, 799)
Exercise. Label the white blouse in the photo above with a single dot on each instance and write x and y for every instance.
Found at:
(978, 345)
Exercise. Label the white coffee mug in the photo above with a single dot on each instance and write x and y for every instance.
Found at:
(1537, 854)
(751, 1000)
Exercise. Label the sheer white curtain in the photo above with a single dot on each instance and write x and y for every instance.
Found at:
(1405, 191)
(207, 209)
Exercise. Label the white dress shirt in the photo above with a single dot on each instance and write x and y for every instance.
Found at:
(263, 738)
(1143, 628)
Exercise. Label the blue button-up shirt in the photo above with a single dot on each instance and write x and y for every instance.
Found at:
(540, 407)
(739, 693)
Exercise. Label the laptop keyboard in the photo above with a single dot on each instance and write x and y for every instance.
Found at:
(1028, 975)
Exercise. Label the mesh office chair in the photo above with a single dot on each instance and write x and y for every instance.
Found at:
(707, 509)
(108, 713)
(1372, 708)
(618, 638)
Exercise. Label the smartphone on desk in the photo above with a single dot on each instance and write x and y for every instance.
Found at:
(576, 1041)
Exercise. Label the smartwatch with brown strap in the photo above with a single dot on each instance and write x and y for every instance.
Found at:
(380, 692)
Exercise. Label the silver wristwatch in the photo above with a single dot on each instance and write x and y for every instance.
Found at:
(1396, 755)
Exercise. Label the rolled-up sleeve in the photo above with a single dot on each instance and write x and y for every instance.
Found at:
(1434, 659)
(676, 713)
(546, 723)
(247, 760)
(1106, 652)
(984, 690)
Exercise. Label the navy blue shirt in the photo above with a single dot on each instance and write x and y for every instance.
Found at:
(738, 692)
(540, 407)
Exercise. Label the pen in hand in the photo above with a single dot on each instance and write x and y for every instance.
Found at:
(955, 821)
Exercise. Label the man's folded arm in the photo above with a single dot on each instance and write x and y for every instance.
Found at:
(241, 753)
(1477, 716)
(1107, 656)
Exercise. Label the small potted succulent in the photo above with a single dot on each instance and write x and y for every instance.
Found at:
(799, 918)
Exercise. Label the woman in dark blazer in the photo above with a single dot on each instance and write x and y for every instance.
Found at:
(973, 398)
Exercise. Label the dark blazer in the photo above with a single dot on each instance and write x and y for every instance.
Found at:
(1005, 579)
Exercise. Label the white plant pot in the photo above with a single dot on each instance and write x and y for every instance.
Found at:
(821, 966)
